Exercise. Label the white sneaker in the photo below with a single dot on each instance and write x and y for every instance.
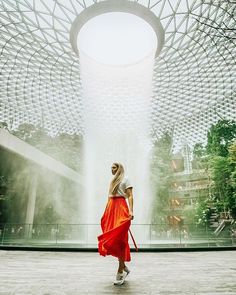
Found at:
(120, 278)
(126, 270)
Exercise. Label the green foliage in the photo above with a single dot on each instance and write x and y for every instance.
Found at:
(223, 171)
(160, 176)
(13, 187)
(26, 131)
(232, 180)
(221, 163)
(199, 150)
(63, 147)
(202, 212)
(188, 214)
(3, 125)
(200, 156)
(220, 173)
(220, 136)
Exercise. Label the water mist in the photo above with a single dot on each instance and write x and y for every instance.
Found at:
(116, 100)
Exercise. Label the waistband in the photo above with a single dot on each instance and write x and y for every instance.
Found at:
(116, 196)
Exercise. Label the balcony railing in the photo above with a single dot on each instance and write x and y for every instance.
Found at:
(189, 188)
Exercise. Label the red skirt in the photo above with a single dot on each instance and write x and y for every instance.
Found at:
(115, 224)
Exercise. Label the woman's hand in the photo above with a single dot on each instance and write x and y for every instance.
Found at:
(131, 215)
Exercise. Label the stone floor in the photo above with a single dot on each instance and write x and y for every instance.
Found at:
(71, 273)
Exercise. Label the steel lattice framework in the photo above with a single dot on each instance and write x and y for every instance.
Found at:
(194, 75)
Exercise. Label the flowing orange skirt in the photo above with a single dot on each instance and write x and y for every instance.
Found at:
(115, 224)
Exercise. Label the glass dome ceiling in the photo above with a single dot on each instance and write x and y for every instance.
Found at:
(194, 75)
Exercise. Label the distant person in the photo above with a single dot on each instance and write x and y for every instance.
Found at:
(116, 221)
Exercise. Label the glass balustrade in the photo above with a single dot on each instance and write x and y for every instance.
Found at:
(85, 236)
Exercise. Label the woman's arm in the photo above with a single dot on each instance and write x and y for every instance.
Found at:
(131, 201)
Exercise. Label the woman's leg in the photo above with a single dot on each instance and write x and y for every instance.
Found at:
(121, 264)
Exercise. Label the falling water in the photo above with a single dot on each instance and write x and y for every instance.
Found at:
(117, 53)
(116, 110)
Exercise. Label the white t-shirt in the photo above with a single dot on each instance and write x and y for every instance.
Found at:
(122, 187)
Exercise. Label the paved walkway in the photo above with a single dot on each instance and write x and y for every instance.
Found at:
(71, 273)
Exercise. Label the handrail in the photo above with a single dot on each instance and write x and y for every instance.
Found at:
(85, 235)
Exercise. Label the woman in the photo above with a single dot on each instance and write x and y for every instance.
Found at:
(116, 221)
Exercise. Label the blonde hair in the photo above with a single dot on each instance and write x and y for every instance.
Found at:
(118, 177)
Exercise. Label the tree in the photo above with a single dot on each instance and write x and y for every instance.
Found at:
(220, 159)
(161, 176)
(63, 147)
(220, 136)
(24, 131)
(217, 28)
(232, 158)
(199, 156)
(221, 148)
(221, 170)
